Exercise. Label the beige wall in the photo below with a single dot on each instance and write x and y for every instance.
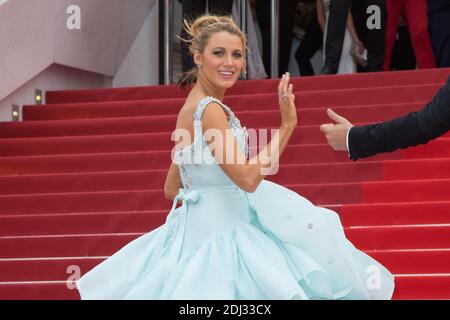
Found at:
(115, 37)
(140, 65)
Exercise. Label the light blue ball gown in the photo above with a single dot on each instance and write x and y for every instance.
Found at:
(225, 243)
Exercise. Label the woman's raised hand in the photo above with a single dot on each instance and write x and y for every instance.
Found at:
(286, 100)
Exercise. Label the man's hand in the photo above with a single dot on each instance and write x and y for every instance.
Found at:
(336, 134)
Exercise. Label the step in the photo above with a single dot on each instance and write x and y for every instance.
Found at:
(83, 182)
(154, 140)
(417, 261)
(17, 183)
(422, 287)
(325, 82)
(374, 192)
(352, 215)
(89, 162)
(406, 190)
(132, 160)
(46, 290)
(140, 123)
(81, 223)
(123, 180)
(77, 245)
(301, 173)
(153, 199)
(46, 269)
(143, 142)
(362, 171)
(155, 179)
(416, 169)
(364, 238)
(298, 153)
(60, 268)
(78, 202)
(77, 144)
(434, 148)
(418, 287)
(102, 109)
(304, 135)
(357, 215)
(97, 187)
(150, 199)
(259, 101)
(400, 237)
(397, 213)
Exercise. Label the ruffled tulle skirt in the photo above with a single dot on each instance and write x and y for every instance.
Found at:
(264, 258)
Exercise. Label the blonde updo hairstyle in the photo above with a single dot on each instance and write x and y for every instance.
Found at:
(199, 32)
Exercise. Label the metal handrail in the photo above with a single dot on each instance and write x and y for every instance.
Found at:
(243, 24)
(168, 31)
(274, 28)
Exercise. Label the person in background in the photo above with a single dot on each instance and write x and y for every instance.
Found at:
(310, 43)
(374, 39)
(415, 14)
(255, 65)
(287, 16)
(346, 61)
(439, 28)
(403, 57)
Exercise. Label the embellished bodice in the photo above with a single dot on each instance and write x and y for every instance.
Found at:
(198, 167)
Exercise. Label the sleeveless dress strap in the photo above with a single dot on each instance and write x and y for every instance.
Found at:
(233, 122)
(204, 103)
(199, 112)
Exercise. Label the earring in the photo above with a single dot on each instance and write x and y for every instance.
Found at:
(199, 65)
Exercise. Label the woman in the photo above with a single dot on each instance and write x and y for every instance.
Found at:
(351, 40)
(236, 235)
(310, 43)
(439, 26)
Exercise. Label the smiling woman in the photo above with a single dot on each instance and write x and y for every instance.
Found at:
(224, 31)
(222, 60)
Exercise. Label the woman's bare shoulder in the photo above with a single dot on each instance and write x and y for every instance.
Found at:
(187, 110)
(186, 113)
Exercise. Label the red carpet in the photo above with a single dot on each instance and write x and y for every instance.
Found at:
(83, 175)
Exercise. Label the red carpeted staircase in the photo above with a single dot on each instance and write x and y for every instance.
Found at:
(83, 175)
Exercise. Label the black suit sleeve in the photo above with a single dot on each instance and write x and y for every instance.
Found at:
(415, 128)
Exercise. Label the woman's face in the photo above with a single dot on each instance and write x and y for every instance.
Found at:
(222, 59)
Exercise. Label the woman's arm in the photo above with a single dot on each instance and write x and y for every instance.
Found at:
(320, 11)
(173, 182)
(248, 174)
(354, 34)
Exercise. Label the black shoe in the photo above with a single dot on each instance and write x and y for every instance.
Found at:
(328, 70)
